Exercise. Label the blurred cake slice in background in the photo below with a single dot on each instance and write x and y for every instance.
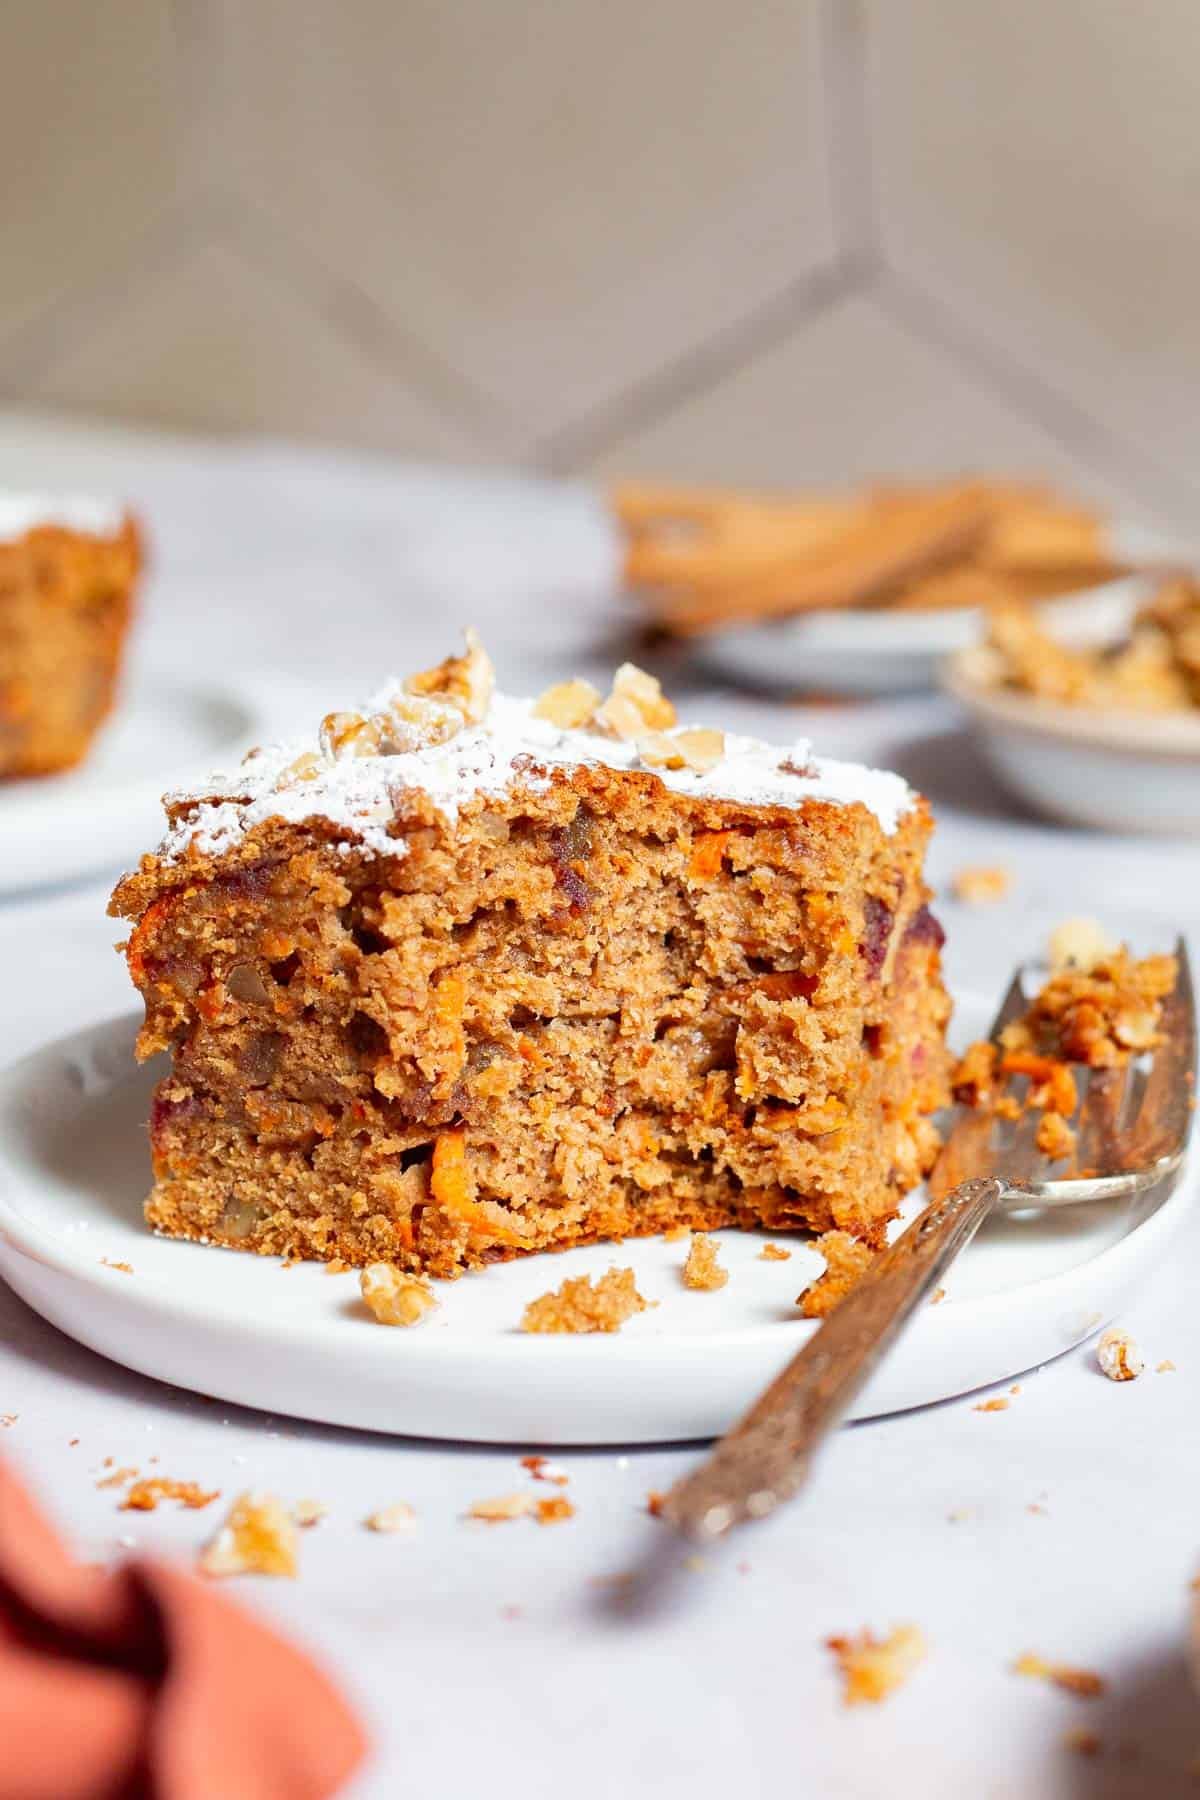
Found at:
(68, 571)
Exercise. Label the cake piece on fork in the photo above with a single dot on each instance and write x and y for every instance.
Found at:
(469, 976)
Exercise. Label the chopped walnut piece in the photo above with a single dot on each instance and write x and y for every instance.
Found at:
(698, 751)
(872, 1667)
(569, 705)
(305, 768)
(635, 705)
(846, 1262)
(505, 1507)
(345, 734)
(307, 1513)
(467, 681)
(553, 1510)
(397, 1517)
(1118, 1355)
(258, 1538)
(1079, 944)
(703, 1269)
(582, 1304)
(979, 885)
(1054, 1137)
(1073, 1681)
(144, 1496)
(774, 1253)
(394, 1298)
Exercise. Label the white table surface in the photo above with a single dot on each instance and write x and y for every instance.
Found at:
(492, 1660)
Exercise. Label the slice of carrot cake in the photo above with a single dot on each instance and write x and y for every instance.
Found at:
(469, 976)
(68, 568)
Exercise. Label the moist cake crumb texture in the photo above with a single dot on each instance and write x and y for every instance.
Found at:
(702, 1269)
(453, 983)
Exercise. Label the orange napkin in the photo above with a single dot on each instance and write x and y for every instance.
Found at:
(145, 1683)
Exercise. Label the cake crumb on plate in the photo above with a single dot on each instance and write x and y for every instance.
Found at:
(846, 1262)
(582, 1304)
(501, 1509)
(774, 1253)
(703, 1270)
(553, 1510)
(307, 1513)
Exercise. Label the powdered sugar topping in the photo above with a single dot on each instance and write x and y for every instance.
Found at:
(509, 746)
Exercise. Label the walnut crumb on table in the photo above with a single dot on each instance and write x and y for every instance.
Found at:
(307, 1513)
(1083, 1682)
(582, 1304)
(980, 884)
(1118, 1355)
(703, 1270)
(394, 1298)
(872, 1667)
(258, 1538)
(397, 1517)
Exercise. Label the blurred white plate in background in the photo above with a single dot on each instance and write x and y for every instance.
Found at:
(864, 652)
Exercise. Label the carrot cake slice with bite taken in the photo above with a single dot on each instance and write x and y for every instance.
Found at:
(469, 976)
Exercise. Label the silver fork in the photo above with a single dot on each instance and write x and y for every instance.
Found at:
(1132, 1132)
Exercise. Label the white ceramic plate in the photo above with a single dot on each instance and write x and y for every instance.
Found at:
(108, 811)
(1112, 771)
(864, 652)
(73, 1171)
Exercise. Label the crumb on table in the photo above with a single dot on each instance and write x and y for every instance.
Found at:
(144, 1496)
(541, 1468)
(702, 1269)
(846, 1262)
(873, 1667)
(307, 1513)
(582, 1304)
(504, 1507)
(997, 1405)
(394, 1298)
(257, 1538)
(1083, 1682)
(397, 1517)
(553, 1510)
(1118, 1355)
(980, 884)
(774, 1253)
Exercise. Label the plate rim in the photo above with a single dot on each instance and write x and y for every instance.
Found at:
(26, 1237)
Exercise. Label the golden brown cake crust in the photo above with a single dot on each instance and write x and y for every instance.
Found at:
(66, 598)
(590, 1008)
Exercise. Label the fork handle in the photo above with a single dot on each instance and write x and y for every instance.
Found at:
(765, 1458)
